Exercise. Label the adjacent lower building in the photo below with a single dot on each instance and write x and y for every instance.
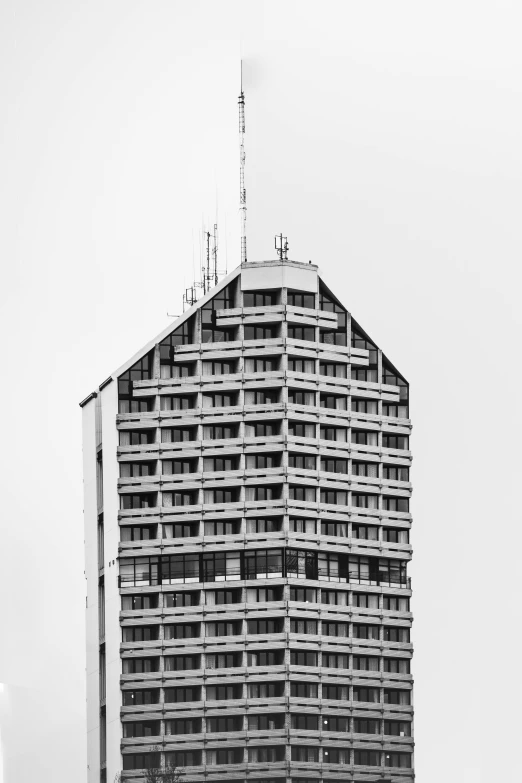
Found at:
(247, 531)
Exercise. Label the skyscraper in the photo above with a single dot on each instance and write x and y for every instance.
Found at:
(247, 537)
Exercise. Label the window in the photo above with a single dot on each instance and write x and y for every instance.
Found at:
(336, 692)
(366, 726)
(136, 437)
(365, 663)
(394, 411)
(179, 695)
(172, 600)
(397, 760)
(335, 723)
(333, 401)
(307, 753)
(301, 299)
(183, 335)
(397, 665)
(219, 368)
(396, 504)
(334, 597)
(329, 303)
(140, 760)
(365, 600)
(265, 690)
(397, 728)
(365, 406)
(210, 331)
(213, 496)
(334, 433)
(261, 429)
(218, 566)
(180, 498)
(184, 726)
(396, 603)
(391, 376)
(225, 527)
(225, 723)
(140, 633)
(137, 533)
(335, 497)
(304, 494)
(306, 595)
(369, 469)
(183, 758)
(178, 434)
(224, 692)
(138, 501)
(299, 397)
(140, 371)
(261, 396)
(298, 429)
(266, 753)
(260, 364)
(265, 626)
(336, 661)
(301, 365)
(367, 532)
(367, 758)
(365, 631)
(265, 657)
(132, 698)
(182, 631)
(303, 625)
(395, 696)
(140, 665)
(175, 467)
(177, 663)
(178, 370)
(135, 602)
(361, 693)
(219, 431)
(400, 442)
(221, 597)
(223, 464)
(261, 332)
(266, 298)
(264, 525)
(300, 525)
(227, 660)
(334, 528)
(302, 461)
(220, 400)
(396, 634)
(396, 473)
(264, 594)
(334, 465)
(364, 438)
(224, 628)
(303, 690)
(263, 493)
(394, 535)
(367, 376)
(135, 469)
(181, 402)
(335, 629)
(266, 722)
(180, 530)
(301, 333)
(336, 755)
(135, 406)
(333, 369)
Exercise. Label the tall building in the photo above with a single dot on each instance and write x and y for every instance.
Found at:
(247, 539)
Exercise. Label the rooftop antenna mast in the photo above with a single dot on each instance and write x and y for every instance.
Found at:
(242, 189)
(281, 246)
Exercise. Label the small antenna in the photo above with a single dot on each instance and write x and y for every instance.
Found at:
(281, 246)
(242, 189)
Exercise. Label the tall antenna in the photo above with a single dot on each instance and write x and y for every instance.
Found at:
(214, 255)
(242, 189)
(281, 246)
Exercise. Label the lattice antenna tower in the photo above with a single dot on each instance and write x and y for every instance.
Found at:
(242, 189)
(281, 246)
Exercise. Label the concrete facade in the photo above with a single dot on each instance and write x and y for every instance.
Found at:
(247, 537)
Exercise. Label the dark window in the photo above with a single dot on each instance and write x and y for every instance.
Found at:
(395, 411)
(146, 728)
(219, 597)
(303, 461)
(306, 595)
(396, 634)
(365, 375)
(366, 532)
(365, 663)
(397, 665)
(365, 406)
(266, 722)
(260, 429)
(402, 760)
(266, 626)
(140, 633)
(140, 760)
(180, 530)
(215, 464)
(141, 371)
(364, 438)
(333, 401)
(396, 504)
(135, 469)
(369, 469)
(305, 494)
(138, 500)
(365, 631)
(334, 529)
(220, 431)
(337, 497)
(334, 597)
(178, 402)
(138, 532)
(391, 376)
(394, 535)
(224, 692)
(132, 698)
(397, 728)
(260, 364)
(335, 723)
(367, 758)
(333, 336)
(334, 465)
(210, 331)
(300, 525)
(299, 429)
(180, 498)
(305, 753)
(177, 695)
(184, 726)
(224, 628)
(266, 753)
(138, 405)
(224, 527)
(228, 660)
(303, 658)
(219, 368)
(336, 661)
(183, 335)
(362, 341)
(174, 467)
(333, 369)
(182, 631)
(265, 658)
(136, 437)
(366, 726)
(140, 665)
(395, 442)
(143, 601)
(301, 365)
(264, 525)
(395, 696)
(260, 298)
(303, 625)
(264, 594)
(265, 690)
(335, 629)
(303, 690)
(183, 758)
(261, 332)
(178, 434)
(336, 692)
(334, 433)
(365, 600)
(222, 495)
(301, 333)
(176, 663)
(181, 599)
(299, 397)
(301, 299)
(261, 396)
(361, 693)
(396, 603)
(220, 400)
(396, 473)
(225, 723)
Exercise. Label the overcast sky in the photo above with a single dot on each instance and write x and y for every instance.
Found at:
(384, 139)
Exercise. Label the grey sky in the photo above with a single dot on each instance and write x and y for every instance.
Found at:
(384, 139)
